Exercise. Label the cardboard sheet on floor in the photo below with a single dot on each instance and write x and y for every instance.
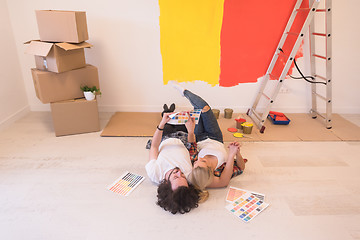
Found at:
(132, 124)
(345, 130)
(301, 128)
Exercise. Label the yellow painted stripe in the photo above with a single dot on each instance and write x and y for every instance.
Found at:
(190, 39)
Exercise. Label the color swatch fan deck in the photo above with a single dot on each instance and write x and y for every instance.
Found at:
(182, 117)
(126, 183)
(247, 206)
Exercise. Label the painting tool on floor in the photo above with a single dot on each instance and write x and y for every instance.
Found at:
(240, 135)
(126, 183)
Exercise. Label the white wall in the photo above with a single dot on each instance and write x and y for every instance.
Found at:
(125, 35)
(13, 98)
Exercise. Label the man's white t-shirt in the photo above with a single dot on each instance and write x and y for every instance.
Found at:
(212, 147)
(172, 153)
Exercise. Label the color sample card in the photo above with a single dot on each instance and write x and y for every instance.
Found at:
(247, 207)
(126, 183)
(235, 193)
(182, 117)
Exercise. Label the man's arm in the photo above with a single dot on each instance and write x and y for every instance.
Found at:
(156, 140)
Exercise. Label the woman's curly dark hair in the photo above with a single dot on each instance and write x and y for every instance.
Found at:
(182, 200)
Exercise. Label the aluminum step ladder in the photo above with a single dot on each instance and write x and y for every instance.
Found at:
(327, 59)
(255, 114)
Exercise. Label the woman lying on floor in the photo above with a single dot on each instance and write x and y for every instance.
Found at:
(213, 167)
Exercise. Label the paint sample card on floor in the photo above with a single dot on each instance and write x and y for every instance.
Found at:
(182, 117)
(235, 193)
(125, 184)
(247, 207)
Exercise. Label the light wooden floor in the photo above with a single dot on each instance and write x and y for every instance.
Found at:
(55, 188)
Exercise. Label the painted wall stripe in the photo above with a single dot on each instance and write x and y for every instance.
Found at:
(190, 40)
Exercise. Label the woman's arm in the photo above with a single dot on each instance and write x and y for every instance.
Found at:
(226, 174)
(240, 160)
(156, 140)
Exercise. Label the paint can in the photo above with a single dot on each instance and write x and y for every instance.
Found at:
(239, 121)
(247, 127)
(216, 113)
(228, 113)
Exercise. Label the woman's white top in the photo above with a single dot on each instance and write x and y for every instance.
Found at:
(212, 147)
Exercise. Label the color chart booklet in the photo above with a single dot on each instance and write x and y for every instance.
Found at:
(247, 206)
(235, 193)
(182, 117)
(125, 184)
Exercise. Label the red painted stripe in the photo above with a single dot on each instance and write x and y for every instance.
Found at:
(250, 33)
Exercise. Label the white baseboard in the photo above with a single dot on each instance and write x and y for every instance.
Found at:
(14, 117)
(40, 108)
(237, 109)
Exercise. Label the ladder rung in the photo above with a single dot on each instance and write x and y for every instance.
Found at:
(315, 55)
(318, 76)
(256, 115)
(282, 54)
(303, 9)
(318, 113)
(320, 96)
(275, 77)
(265, 95)
(293, 33)
(319, 34)
(321, 10)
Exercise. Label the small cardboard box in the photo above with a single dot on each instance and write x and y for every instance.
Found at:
(75, 116)
(62, 26)
(57, 57)
(53, 87)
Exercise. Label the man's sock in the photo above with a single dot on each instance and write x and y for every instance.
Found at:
(178, 87)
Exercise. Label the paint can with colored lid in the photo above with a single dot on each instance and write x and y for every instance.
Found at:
(247, 127)
(239, 121)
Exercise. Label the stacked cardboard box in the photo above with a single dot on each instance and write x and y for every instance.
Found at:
(61, 70)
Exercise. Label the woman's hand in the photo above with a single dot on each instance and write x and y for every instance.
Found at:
(234, 148)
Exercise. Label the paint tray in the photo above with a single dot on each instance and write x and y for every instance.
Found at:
(278, 118)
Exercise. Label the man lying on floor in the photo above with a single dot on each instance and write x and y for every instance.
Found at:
(170, 164)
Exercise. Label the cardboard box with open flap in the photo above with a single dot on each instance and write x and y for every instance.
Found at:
(57, 57)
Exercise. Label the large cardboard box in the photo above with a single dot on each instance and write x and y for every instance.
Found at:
(75, 116)
(62, 26)
(53, 87)
(57, 57)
